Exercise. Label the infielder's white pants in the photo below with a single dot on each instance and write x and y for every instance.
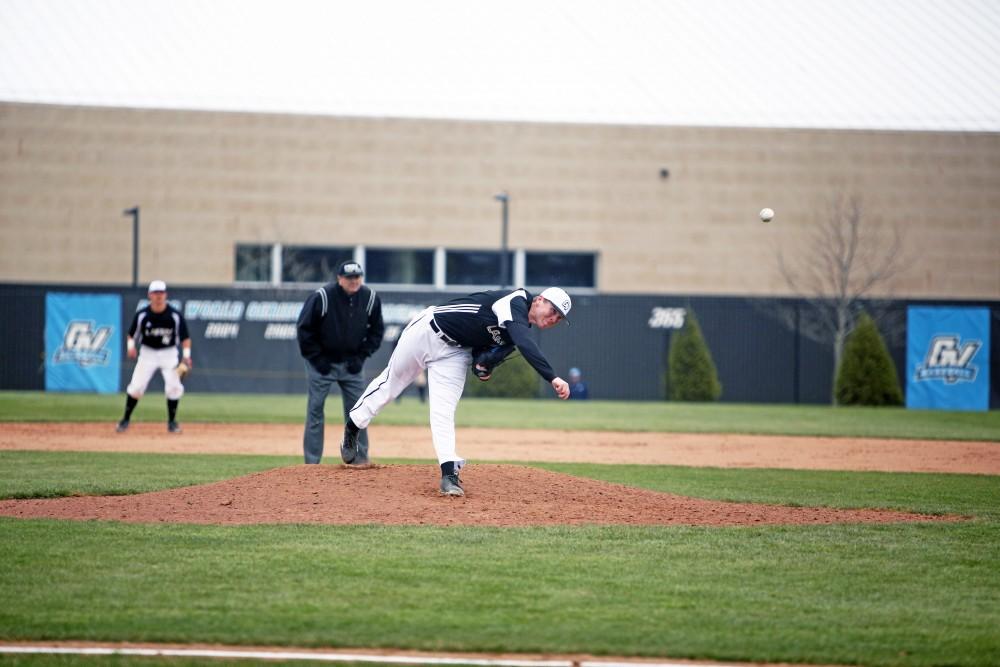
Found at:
(150, 360)
(419, 348)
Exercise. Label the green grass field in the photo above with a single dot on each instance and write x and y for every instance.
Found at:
(903, 594)
(495, 413)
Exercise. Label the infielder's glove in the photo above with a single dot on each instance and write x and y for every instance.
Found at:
(183, 369)
(486, 359)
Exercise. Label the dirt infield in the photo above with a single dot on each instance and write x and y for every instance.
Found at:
(498, 495)
(480, 444)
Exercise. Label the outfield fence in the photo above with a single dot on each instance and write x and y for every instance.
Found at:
(765, 350)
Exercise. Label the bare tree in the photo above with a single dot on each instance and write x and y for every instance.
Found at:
(846, 258)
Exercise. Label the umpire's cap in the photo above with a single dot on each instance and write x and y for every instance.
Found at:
(350, 269)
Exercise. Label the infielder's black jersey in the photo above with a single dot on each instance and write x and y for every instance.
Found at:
(496, 317)
(158, 330)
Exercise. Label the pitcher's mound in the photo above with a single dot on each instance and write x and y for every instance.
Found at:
(496, 495)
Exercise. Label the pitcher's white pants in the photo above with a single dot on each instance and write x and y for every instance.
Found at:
(150, 360)
(419, 348)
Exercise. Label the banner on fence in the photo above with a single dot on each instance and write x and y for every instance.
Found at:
(82, 342)
(947, 358)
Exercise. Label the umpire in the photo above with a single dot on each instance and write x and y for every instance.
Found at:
(339, 327)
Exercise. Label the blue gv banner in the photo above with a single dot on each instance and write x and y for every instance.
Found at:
(82, 342)
(948, 358)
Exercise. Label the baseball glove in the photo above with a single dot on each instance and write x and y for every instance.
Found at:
(182, 370)
(486, 359)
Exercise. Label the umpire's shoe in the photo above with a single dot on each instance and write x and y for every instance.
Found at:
(173, 427)
(451, 485)
(349, 445)
(122, 426)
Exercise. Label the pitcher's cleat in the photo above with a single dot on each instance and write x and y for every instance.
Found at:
(451, 485)
(349, 445)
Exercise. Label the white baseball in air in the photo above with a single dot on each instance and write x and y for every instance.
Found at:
(766, 214)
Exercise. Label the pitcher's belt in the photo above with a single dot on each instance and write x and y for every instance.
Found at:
(443, 336)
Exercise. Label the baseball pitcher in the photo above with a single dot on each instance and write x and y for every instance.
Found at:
(443, 340)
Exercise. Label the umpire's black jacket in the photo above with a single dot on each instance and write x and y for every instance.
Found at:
(334, 327)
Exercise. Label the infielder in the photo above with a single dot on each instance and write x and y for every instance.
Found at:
(442, 340)
(153, 337)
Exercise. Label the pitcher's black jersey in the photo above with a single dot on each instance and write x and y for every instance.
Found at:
(158, 330)
(496, 317)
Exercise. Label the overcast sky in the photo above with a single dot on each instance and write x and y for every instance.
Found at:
(898, 64)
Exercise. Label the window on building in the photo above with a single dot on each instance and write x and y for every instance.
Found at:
(565, 269)
(476, 267)
(402, 267)
(253, 263)
(312, 264)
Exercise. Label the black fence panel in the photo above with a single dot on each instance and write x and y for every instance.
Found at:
(22, 338)
(244, 341)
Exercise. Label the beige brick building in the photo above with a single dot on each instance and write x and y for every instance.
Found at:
(208, 182)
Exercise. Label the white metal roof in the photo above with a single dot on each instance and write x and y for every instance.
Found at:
(888, 64)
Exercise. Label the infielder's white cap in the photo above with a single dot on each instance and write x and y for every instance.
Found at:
(157, 286)
(559, 299)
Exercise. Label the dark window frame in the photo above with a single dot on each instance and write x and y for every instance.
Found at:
(551, 274)
(484, 278)
(312, 263)
(423, 266)
(259, 264)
